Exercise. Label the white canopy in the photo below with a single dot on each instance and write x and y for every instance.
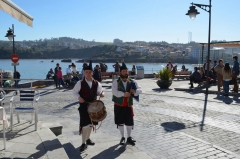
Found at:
(11, 8)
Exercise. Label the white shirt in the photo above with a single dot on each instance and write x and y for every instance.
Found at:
(74, 69)
(118, 93)
(77, 88)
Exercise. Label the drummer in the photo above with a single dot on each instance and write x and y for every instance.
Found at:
(123, 101)
(86, 91)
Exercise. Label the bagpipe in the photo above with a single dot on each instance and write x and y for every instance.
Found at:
(133, 86)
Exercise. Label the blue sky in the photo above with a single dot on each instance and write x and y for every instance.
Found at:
(128, 20)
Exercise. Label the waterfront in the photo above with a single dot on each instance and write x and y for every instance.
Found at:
(38, 68)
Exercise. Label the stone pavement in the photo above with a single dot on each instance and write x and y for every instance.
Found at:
(167, 125)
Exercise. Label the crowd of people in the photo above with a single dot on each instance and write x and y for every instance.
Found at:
(219, 73)
(72, 73)
(70, 79)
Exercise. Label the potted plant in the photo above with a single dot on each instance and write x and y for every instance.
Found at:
(165, 78)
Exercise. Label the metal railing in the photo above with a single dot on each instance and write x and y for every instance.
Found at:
(27, 79)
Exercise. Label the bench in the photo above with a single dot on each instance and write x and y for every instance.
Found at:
(183, 74)
(106, 75)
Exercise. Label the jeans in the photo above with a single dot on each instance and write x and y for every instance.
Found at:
(16, 84)
(60, 82)
(226, 86)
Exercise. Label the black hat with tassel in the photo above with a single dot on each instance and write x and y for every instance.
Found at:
(123, 67)
(89, 67)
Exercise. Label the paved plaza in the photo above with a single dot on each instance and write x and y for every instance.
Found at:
(167, 126)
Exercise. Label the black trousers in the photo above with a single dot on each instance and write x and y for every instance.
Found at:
(84, 117)
(123, 115)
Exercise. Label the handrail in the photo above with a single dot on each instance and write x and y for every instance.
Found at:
(31, 80)
(14, 89)
(27, 79)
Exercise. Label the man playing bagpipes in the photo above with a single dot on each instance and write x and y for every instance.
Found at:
(86, 91)
(123, 90)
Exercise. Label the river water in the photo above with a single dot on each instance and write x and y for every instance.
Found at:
(38, 68)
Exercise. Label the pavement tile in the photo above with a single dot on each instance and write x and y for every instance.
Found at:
(25, 148)
(165, 123)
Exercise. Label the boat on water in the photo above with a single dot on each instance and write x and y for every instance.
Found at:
(52, 61)
(66, 60)
(80, 60)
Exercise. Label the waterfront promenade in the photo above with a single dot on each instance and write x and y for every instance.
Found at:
(167, 125)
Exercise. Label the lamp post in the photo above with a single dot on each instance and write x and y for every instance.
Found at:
(10, 35)
(183, 55)
(192, 12)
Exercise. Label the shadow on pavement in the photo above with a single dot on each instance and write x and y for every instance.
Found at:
(236, 99)
(69, 105)
(15, 133)
(71, 151)
(173, 126)
(111, 152)
(46, 93)
(228, 100)
(46, 146)
(161, 90)
(224, 99)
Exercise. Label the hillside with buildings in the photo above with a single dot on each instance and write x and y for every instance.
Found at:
(138, 51)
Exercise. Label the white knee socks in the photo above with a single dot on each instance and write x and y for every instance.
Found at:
(129, 130)
(121, 129)
(85, 131)
(89, 132)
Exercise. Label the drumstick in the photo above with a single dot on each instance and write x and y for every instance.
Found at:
(99, 97)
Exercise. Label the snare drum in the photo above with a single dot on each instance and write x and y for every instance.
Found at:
(97, 111)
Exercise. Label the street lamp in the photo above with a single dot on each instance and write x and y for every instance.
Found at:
(192, 12)
(10, 35)
(183, 55)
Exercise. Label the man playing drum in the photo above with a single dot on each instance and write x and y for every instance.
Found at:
(123, 100)
(86, 91)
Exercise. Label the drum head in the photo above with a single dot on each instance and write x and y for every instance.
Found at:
(95, 106)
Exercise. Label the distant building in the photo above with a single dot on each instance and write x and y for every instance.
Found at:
(118, 42)
(195, 52)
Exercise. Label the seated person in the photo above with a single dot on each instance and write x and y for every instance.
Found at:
(183, 68)
(50, 74)
(75, 79)
(174, 70)
(7, 83)
(195, 77)
(203, 76)
(68, 80)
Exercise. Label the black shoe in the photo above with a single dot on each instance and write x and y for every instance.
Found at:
(83, 147)
(131, 141)
(122, 141)
(89, 142)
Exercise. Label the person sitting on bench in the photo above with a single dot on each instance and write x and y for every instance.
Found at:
(195, 77)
